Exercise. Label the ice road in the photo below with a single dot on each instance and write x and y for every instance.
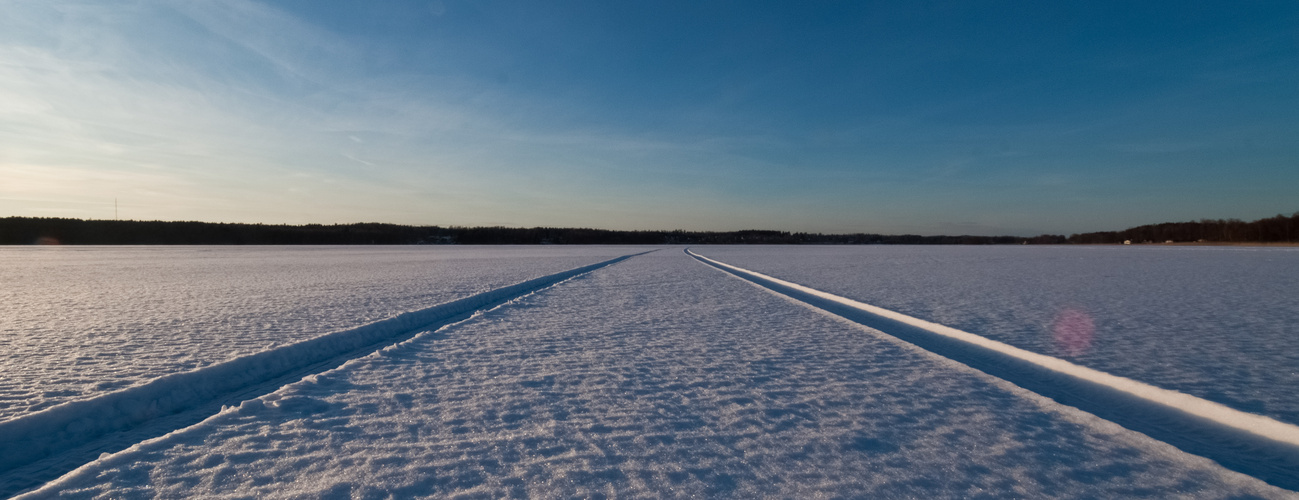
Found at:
(654, 376)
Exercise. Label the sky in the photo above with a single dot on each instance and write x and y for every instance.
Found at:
(891, 117)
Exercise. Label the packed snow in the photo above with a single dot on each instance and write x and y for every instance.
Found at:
(35, 446)
(1252, 444)
(76, 322)
(656, 376)
(1219, 323)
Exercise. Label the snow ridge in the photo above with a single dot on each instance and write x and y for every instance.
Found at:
(70, 425)
(1252, 444)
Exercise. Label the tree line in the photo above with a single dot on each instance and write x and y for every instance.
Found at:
(1270, 230)
(42, 230)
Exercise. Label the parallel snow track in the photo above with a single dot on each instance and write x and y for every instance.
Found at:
(50, 432)
(1251, 444)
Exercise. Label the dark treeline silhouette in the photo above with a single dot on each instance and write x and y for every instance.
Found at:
(35, 230)
(32, 230)
(1272, 230)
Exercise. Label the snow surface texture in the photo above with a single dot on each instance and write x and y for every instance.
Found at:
(653, 377)
(1252, 444)
(76, 322)
(28, 439)
(1219, 323)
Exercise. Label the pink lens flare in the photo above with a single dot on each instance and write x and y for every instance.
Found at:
(1073, 331)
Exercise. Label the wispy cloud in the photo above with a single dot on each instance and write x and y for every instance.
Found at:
(241, 110)
(96, 105)
(248, 110)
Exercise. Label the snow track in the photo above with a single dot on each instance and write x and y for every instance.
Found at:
(31, 446)
(1244, 442)
(654, 378)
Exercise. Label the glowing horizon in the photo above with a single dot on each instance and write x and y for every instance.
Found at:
(893, 118)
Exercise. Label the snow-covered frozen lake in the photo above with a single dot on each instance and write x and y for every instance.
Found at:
(652, 376)
(1221, 323)
(78, 321)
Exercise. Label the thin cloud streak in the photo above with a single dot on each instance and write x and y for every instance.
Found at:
(292, 119)
(218, 136)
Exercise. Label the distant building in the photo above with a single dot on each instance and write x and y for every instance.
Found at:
(1127, 242)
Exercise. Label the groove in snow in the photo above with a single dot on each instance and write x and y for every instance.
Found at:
(1251, 444)
(70, 425)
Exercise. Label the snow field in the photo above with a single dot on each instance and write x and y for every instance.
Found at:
(63, 427)
(1218, 323)
(652, 378)
(1252, 444)
(76, 322)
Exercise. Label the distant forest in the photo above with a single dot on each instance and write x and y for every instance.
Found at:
(35, 230)
(1279, 229)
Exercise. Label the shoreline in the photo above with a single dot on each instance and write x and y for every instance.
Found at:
(1220, 244)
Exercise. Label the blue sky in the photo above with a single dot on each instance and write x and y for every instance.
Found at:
(887, 117)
